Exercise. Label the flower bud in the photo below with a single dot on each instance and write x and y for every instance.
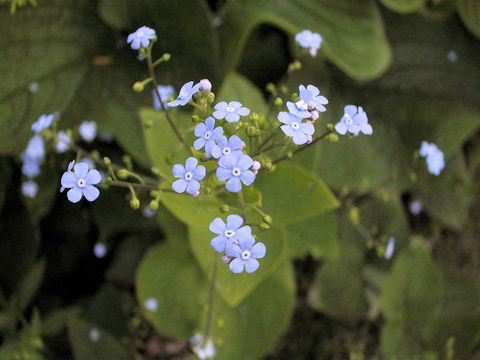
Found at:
(254, 116)
(122, 174)
(264, 226)
(107, 161)
(315, 115)
(256, 165)
(210, 98)
(271, 88)
(330, 126)
(166, 57)
(138, 86)
(147, 123)
(196, 118)
(207, 190)
(226, 259)
(267, 219)
(278, 102)
(135, 204)
(268, 165)
(333, 138)
(224, 208)
(251, 131)
(205, 85)
(196, 193)
(153, 205)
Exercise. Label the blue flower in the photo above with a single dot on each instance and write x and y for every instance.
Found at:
(309, 40)
(299, 131)
(30, 167)
(30, 189)
(300, 112)
(165, 92)
(205, 85)
(80, 182)
(390, 248)
(354, 120)
(185, 94)
(228, 233)
(88, 130)
(234, 169)
(311, 99)
(233, 145)
(35, 149)
(43, 122)
(141, 37)
(203, 347)
(416, 207)
(63, 141)
(231, 111)
(246, 254)
(69, 168)
(188, 176)
(100, 250)
(434, 157)
(207, 135)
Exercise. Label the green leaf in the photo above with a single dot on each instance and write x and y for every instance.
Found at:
(115, 13)
(182, 292)
(236, 287)
(237, 87)
(353, 35)
(413, 291)
(56, 321)
(83, 348)
(397, 343)
(292, 194)
(469, 11)
(51, 45)
(403, 6)
(316, 236)
(30, 283)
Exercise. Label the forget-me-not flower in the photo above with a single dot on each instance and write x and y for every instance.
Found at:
(100, 250)
(311, 99)
(434, 157)
(141, 37)
(228, 233)
(63, 141)
(309, 40)
(205, 85)
(208, 135)
(81, 182)
(416, 207)
(234, 170)
(35, 149)
(233, 145)
(88, 130)
(185, 94)
(354, 120)
(30, 167)
(188, 176)
(299, 131)
(29, 189)
(390, 248)
(165, 92)
(246, 254)
(230, 111)
(300, 112)
(203, 347)
(69, 168)
(43, 122)
(151, 304)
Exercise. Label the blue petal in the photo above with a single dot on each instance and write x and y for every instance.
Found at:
(193, 186)
(234, 222)
(223, 174)
(90, 192)
(251, 265)
(199, 143)
(243, 111)
(68, 180)
(232, 117)
(93, 177)
(350, 110)
(217, 226)
(284, 117)
(258, 250)
(81, 170)
(228, 161)
(200, 130)
(179, 185)
(287, 129)
(199, 173)
(299, 138)
(237, 265)
(210, 123)
(247, 177)
(341, 128)
(74, 194)
(244, 162)
(246, 242)
(178, 170)
(233, 250)
(221, 106)
(219, 114)
(219, 243)
(191, 164)
(244, 231)
(235, 143)
(234, 184)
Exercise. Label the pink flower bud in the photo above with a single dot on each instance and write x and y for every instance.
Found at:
(315, 115)
(243, 145)
(256, 165)
(226, 259)
(310, 139)
(196, 193)
(205, 85)
(313, 52)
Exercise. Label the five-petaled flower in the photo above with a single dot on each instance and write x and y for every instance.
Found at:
(309, 40)
(141, 37)
(354, 120)
(230, 111)
(88, 130)
(188, 176)
(185, 94)
(228, 233)
(234, 170)
(434, 157)
(43, 122)
(30, 189)
(208, 135)
(80, 182)
(165, 92)
(311, 99)
(63, 141)
(233, 145)
(299, 131)
(246, 254)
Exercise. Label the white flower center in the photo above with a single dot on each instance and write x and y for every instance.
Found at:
(229, 233)
(208, 134)
(188, 175)
(81, 183)
(236, 171)
(230, 109)
(301, 105)
(246, 255)
(226, 151)
(348, 119)
(140, 34)
(295, 125)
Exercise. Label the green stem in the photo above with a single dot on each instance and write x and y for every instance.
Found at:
(242, 206)
(303, 147)
(211, 295)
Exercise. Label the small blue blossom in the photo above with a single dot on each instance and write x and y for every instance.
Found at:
(452, 56)
(185, 94)
(354, 120)
(416, 207)
(234, 170)
(231, 111)
(310, 99)
(300, 112)
(228, 233)
(165, 92)
(299, 131)
(35, 149)
(33, 87)
(205, 85)
(246, 253)
(141, 37)
(309, 40)
(43, 123)
(189, 176)
(30, 167)
(203, 347)
(63, 141)
(100, 250)
(151, 304)
(69, 168)
(30, 189)
(148, 213)
(207, 135)
(94, 335)
(88, 130)
(434, 157)
(80, 182)
(234, 145)
(390, 248)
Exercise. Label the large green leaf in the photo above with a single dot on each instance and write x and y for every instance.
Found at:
(182, 294)
(234, 288)
(469, 11)
(291, 194)
(397, 342)
(50, 44)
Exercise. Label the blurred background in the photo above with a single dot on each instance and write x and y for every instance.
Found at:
(76, 278)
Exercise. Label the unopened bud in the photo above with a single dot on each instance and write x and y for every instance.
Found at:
(330, 126)
(271, 88)
(354, 215)
(268, 165)
(313, 52)
(315, 115)
(254, 116)
(264, 226)
(251, 131)
(224, 208)
(196, 193)
(207, 190)
(333, 138)
(243, 145)
(211, 98)
(135, 204)
(166, 57)
(138, 86)
(196, 118)
(267, 219)
(226, 259)
(278, 102)
(256, 165)
(122, 174)
(205, 85)
(107, 161)
(147, 123)
(153, 205)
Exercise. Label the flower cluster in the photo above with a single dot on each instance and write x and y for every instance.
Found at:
(433, 156)
(141, 37)
(309, 40)
(354, 121)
